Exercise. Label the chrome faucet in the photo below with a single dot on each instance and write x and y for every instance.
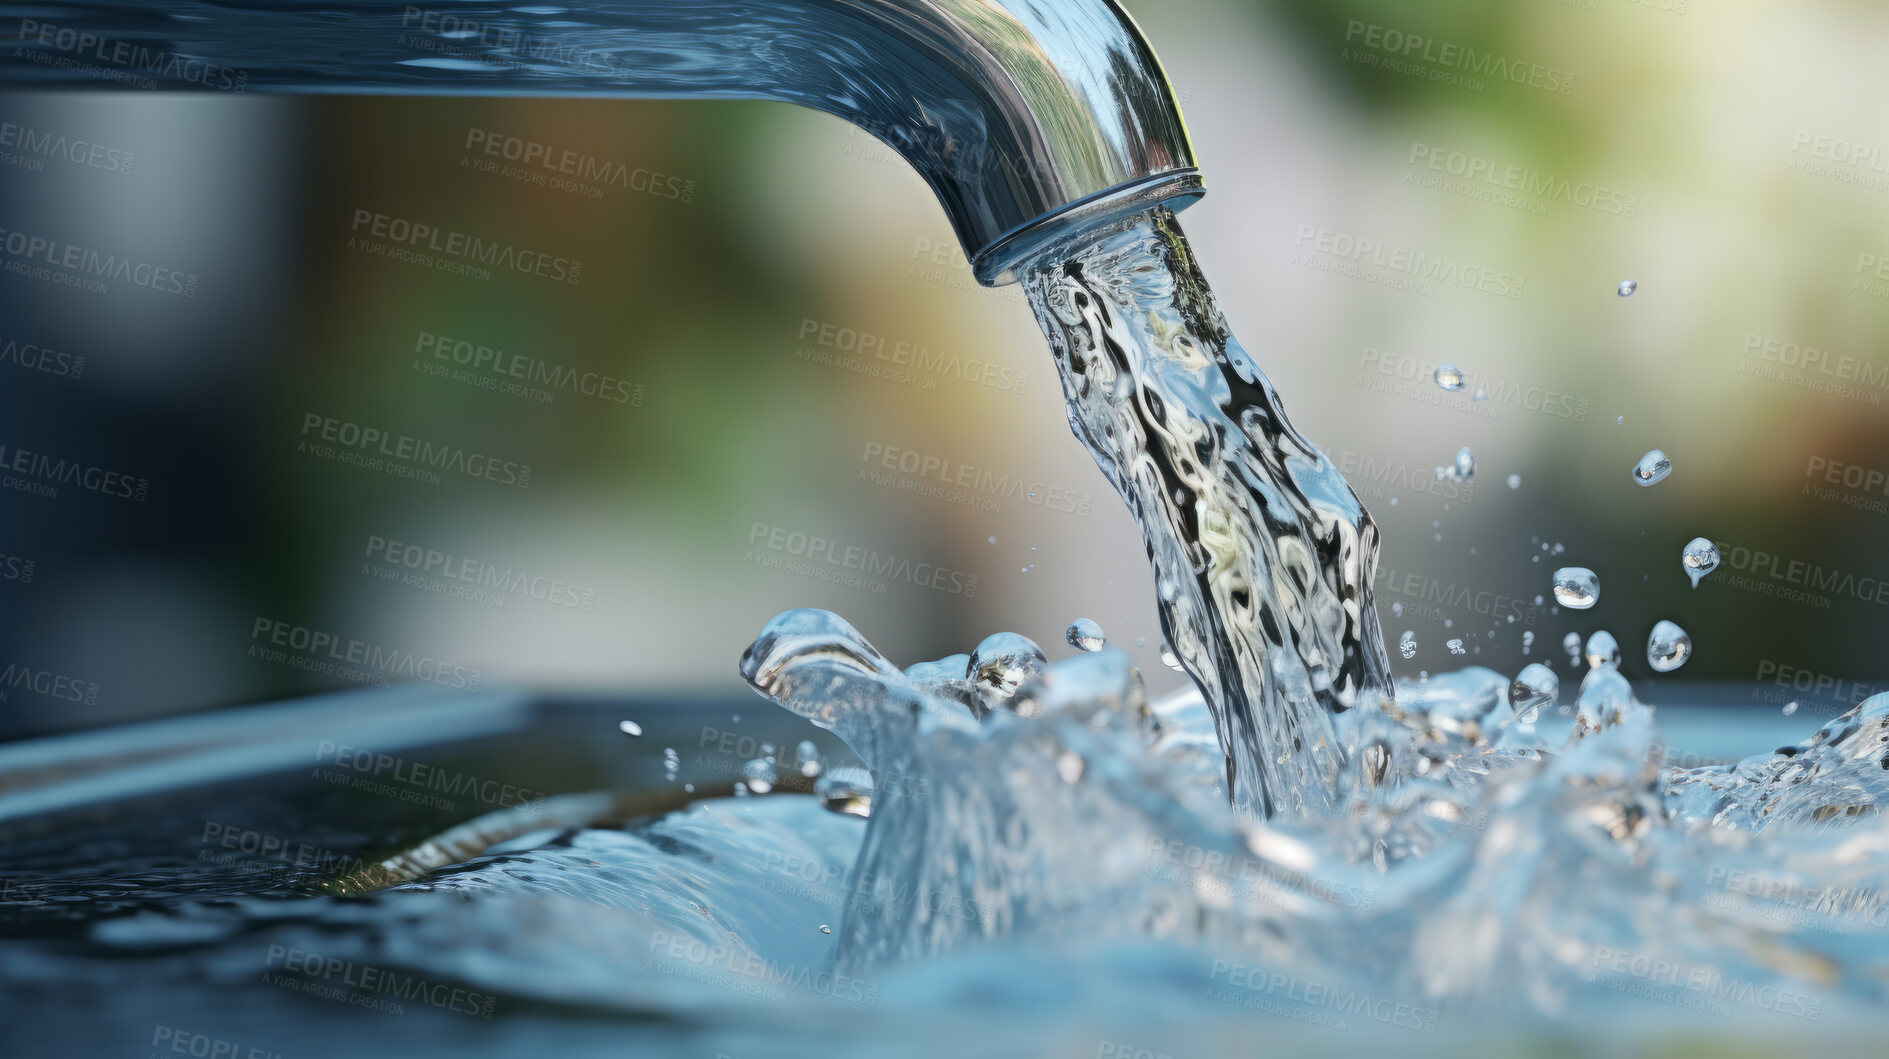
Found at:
(1030, 119)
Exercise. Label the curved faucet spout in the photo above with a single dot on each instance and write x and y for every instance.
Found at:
(1028, 118)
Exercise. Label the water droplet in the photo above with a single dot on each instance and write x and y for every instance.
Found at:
(1626, 288)
(758, 775)
(1576, 587)
(1085, 635)
(1515, 481)
(1700, 558)
(1465, 463)
(1528, 640)
(809, 757)
(1571, 643)
(1003, 662)
(1790, 707)
(1621, 421)
(1455, 646)
(993, 540)
(1603, 650)
(1534, 687)
(1397, 609)
(1408, 644)
(846, 790)
(1169, 658)
(1480, 395)
(1667, 647)
(1449, 377)
(1069, 765)
(629, 728)
(824, 929)
(1653, 467)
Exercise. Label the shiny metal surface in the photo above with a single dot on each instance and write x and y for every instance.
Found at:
(1027, 117)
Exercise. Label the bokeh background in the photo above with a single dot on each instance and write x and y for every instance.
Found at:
(1732, 159)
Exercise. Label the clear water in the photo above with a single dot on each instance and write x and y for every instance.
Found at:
(1300, 844)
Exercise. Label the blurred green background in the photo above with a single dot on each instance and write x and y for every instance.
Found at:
(1733, 160)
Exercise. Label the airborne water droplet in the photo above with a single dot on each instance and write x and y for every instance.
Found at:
(1667, 647)
(1534, 687)
(824, 929)
(1653, 467)
(1700, 558)
(1449, 377)
(1408, 644)
(1465, 463)
(758, 775)
(846, 790)
(1571, 643)
(809, 757)
(1603, 650)
(1168, 657)
(1070, 766)
(1576, 587)
(1626, 288)
(1455, 646)
(1790, 707)
(1515, 481)
(629, 728)
(1085, 635)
